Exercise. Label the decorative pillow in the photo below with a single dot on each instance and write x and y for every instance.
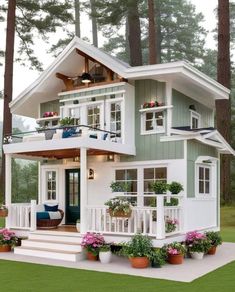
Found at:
(43, 215)
(51, 208)
(105, 136)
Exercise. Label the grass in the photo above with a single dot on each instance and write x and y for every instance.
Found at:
(15, 276)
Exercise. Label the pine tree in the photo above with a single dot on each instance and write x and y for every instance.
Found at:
(223, 107)
(152, 33)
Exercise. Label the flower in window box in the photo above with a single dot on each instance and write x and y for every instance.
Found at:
(152, 103)
(146, 105)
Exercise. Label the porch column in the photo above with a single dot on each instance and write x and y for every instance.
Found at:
(160, 218)
(83, 189)
(169, 103)
(8, 187)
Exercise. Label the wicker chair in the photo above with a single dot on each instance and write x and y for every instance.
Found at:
(50, 223)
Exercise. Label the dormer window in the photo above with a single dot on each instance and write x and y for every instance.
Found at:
(195, 120)
(152, 121)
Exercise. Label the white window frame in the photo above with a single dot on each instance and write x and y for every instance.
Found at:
(197, 116)
(158, 129)
(108, 113)
(211, 164)
(45, 171)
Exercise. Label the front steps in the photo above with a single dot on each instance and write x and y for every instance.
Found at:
(53, 245)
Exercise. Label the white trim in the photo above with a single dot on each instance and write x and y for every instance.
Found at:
(44, 183)
(169, 110)
(156, 129)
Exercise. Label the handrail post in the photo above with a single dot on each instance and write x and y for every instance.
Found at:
(160, 218)
(33, 222)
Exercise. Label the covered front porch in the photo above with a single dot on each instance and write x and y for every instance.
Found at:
(94, 215)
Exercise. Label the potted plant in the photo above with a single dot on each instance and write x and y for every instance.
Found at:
(175, 253)
(139, 250)
(170, 224)
(68, 131)
(159, 187)
(157, 258)
(7, 240)
(215, 239)
(175, 188)
(119, 186)
(119, 207)
(3, 211)
(197, 244)
(105, 253)
(92, 242)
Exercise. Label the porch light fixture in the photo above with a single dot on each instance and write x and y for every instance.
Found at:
(91, 173)
(192, 107)
(110, 157)
(86, 77)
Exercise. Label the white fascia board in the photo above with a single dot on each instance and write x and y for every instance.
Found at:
(68, 143)
(179, 137)
(225, 143)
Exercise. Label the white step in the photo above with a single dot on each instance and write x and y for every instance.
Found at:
(51, 254)
(56, 236)
(52, 245)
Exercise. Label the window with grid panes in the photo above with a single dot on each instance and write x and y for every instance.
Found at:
(152, 175)
(115, 117)
(204, 180)
(93, 116)
(51, 185)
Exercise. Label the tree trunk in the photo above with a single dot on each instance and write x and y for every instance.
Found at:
(8, 79)
(152, 33)
(94, 24)
(77, 18)
(223, 107)
(158, 30)
(134, 37)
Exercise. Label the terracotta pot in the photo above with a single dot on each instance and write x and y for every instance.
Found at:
(139, 262)
(212, 250)
(175, 259)
(119, 214)
(91, 256)
(3, 212)
(5, 248)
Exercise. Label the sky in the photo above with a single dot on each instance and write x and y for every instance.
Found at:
(23, 77)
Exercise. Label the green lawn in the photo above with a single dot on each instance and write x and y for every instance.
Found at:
(15, 276)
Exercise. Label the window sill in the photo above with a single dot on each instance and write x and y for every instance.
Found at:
(155, 109)
(202, 198)
(152, 132)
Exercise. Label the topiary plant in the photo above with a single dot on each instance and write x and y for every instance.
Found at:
(175, 187)
(159, 187)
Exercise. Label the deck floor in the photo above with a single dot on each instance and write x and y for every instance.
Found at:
(64, 228)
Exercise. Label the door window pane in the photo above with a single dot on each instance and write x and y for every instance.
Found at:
(51, 185)
(115, 118)
(93, 116)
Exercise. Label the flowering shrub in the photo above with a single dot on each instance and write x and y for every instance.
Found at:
(197, 242)
(119, 204)
(171, 224)
(92, 242)
(49, 114)
(175, 248)
(152, 103)
(7, 237)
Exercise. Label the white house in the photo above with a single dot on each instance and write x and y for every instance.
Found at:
(118, 135)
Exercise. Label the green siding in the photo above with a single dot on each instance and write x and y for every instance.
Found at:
(50, 106)
(195, 149)
(181, 113)
(149, 147)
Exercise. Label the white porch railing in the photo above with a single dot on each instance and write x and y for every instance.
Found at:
(146, 220)
(22, 216)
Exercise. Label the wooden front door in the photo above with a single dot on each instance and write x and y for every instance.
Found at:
(72, 196)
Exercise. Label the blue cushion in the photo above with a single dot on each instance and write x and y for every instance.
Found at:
(94, 136)
(68, 132)
(51, 208)
(43, 215)
(105, 136)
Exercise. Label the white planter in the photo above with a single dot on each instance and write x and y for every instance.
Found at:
(105, 257)
(78, 227)
(197, 255)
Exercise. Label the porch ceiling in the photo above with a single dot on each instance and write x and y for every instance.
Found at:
(64, 153)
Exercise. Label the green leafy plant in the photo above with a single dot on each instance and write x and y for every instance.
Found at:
(67, 121)
(105, 247)
(139, 246)
(120, 186)
(159, 187)
(118, 204)
(175, 187)
(214, 238)
(157, 257)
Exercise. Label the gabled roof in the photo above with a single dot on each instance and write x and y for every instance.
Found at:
(184, 78)
(208, 136)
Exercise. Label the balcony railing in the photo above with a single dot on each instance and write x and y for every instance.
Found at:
(61, 133)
